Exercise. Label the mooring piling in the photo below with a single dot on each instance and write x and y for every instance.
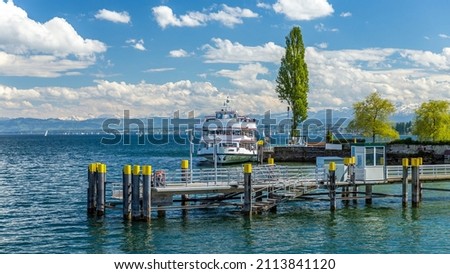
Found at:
(420, 188)
(92, 189)
(247, 208)
(135, 193)
(369, 194)
(126, 192)
(147, 195)
(96, 189)
(186, 178)
(415, 182)
(101, 180)
(332, 185)
(405, 165)
(251, 189)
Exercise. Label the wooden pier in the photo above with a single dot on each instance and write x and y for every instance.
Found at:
(249, 189)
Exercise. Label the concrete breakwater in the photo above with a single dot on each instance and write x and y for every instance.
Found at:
(431, 154)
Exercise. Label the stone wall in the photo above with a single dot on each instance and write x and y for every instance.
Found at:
(305, 154)
(394, 153)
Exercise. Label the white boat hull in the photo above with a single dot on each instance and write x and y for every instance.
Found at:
(228, 156)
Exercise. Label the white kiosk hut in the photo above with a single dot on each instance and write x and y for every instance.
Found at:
(370, 163)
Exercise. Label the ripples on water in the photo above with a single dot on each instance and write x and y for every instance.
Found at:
(43, 210)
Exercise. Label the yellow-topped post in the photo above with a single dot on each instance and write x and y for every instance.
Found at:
(127, 169)
(136, 170)
(101, 168)
(126, 191)
(101, 180)
(147, 170)
(135, 192)
(415, 182)
(332, 185)
(405, 162)
(92, 189)
(146, 188)
(260, 145)
(332, 166)
(405, 165)
(247, 168)
(185, 171)
(415, 162)
(420, 159)
(184, 164)
(247, 209)
(347, 161)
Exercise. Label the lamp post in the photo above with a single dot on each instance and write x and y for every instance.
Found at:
(215, 156)
(289, 127)
(191, 148)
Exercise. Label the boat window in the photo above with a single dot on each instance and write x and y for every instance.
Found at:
(219, 115)
(228, 145)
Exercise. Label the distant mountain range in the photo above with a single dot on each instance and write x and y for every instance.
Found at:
(95, 125)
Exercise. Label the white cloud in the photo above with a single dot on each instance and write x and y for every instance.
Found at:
(40, 65)
(340, 78)
(444, 36)
(137, 44)
(227, 16)
(113, 16)
(179, 53)
(159, 69)
(337, 79)
(346, 14)
(50, 49)
(321, 27)
(109, 98)
(322, 45)
(225, 51)
(263, 5)
(250, 92)
(303, 9)
(428, 59)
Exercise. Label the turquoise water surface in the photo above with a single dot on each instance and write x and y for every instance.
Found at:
(43, 184)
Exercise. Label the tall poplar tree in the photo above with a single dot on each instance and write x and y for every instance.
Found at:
(292, 81)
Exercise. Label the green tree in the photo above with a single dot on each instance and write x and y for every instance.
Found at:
(432, 121)
(371, 117)
(292, 80)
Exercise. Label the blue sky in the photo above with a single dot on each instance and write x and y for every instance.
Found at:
(83, 59)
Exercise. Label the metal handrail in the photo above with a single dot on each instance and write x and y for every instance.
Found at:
(275, 175)
(396, 172)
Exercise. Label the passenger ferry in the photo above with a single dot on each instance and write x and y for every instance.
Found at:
(228, 137)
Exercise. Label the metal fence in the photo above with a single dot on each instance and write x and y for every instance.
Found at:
(430, 171)
(235, 175)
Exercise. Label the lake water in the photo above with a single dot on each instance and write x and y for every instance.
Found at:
(43, 183)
